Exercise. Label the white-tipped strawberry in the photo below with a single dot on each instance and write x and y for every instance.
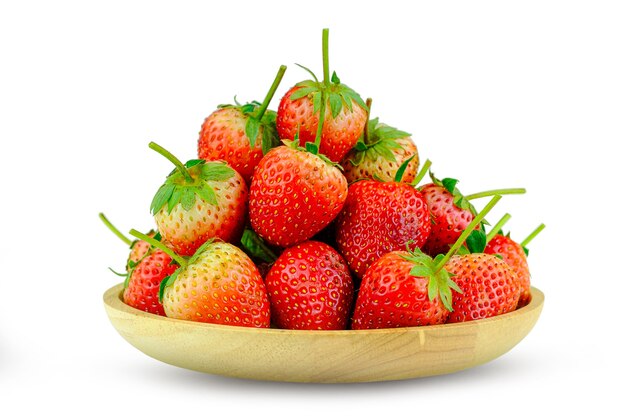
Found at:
(198, 201)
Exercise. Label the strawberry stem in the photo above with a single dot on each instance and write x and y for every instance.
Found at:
(422, 172)
(496, 228)
(114, 229)
(533, 235)
(320, 122)
(470, 227)
(179, 165)
(270, 93)
(490, 193)
(366, 131)
(159, 245)
(325, 57)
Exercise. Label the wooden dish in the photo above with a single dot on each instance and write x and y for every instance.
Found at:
(321, 356)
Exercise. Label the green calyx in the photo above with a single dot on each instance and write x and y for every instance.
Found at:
(259, 118)
(256, 247)
(311, 148)
(380, 140)
(458, 198)
(440, 283)
(328, 92)
(188, 181)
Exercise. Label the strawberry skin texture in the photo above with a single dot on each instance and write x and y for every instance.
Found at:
(223, 286)
(391, 297)
(513, 254)
(310, 288)
(223, 137)
(142, 291)
(448, 220)
(377, 218)
(490, 287)
(185, 231)
(294, 195)
(382, 168)
(339, 135)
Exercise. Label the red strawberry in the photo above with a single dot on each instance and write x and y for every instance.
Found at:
(489, 287)
(380, 153)
(199, 200)
(380, 217)
(409, 288)
(514, 254)
(310, 288)
(395, 293)
(341, 109)
(141, 289)
(294, 194)
(450, 211)
(219, 284)
(240, 134)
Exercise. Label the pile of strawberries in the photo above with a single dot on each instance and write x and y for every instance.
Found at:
(313, 217)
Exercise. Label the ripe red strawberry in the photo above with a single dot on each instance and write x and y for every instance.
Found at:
(310, 288)
(450, 211)
(489, 287)
(240, 134)
(380, 153)
(380, 217)
(219, 284)
(341, 109)
(395, 292)
(514, 254)
(198, 201)
(294, 194)
(141, 289)
(409, 288)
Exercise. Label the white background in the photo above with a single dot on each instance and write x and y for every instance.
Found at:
(497, 94)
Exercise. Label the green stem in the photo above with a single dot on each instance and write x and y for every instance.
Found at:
(325, 57)
(422, 172)
(179, 259)
(320, 122)
(181, 167)
(496, 228)
(271, 92)
(366, 131)
(114, 229)
(533, 234)
(490, 193)
(470, 227)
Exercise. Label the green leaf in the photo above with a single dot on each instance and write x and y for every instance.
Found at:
(421, 271)
(385, 152)
(270, 138)
(119, 274)
(400, 172)
(383, 131)
(525, 249)
(335, 79)
(194, 162)
(476, 241)
(360, 146)
(256, 247)
(217, 171)
(347, 99)
(335, 104)
(309, 71)
(207, 193)
(167, 282)
(161, 197)
(252, 130)
(317, 101)
(188, 198)
(174, 199)
(311, 147)
(302, 92)
(449, 184)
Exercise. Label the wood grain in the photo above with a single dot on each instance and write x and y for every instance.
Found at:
(321, 356)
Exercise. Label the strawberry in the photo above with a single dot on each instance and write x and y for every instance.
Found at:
(240, 134)
(294, 194)
(514, 254)
(380, 217)
(409, 288)
(380, 153)
(141, 289)
(198, 201)
(218, 284)
(310, 288)
(451, 211)
(138, 248)
(489, 287)
(327, 112)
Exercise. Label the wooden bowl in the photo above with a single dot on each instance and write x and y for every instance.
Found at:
(321, 356)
